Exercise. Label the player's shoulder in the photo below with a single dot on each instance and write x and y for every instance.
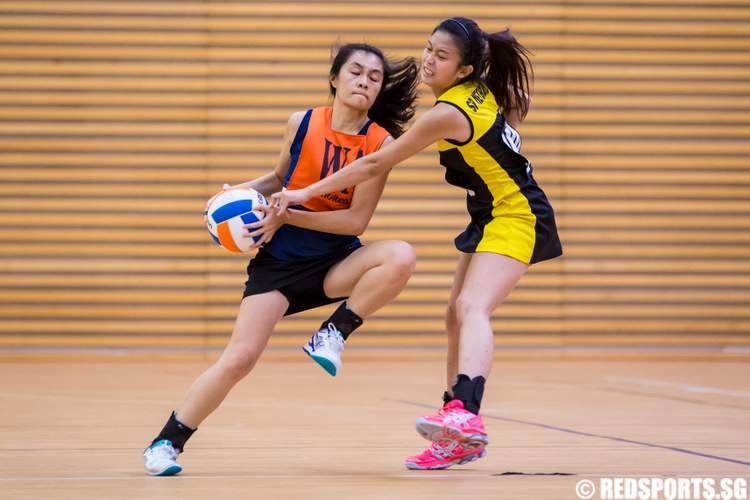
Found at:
(295, 119)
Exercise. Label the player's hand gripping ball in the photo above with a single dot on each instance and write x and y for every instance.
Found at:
(228, 211)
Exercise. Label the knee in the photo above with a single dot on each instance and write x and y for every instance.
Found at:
(402, 259)
(467, 306)
(238, 362)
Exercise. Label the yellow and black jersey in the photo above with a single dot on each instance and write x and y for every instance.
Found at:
(510, 214)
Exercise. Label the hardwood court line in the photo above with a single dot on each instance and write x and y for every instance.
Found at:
(590, 434)
(693, 389)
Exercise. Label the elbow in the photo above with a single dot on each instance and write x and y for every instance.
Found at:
(375, 166)
(523, 112)
(358, 229)
(515, 118)
(278, 181)
(359, 225)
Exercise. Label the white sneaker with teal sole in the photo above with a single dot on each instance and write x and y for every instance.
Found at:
(325, 347)
(160, 459)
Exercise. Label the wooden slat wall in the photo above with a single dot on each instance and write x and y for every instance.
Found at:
(118, 120)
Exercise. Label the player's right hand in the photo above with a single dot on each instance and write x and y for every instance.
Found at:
(289, 197)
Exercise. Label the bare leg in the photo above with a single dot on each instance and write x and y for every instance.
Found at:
(255, 322)
(489, 279)
(371, 276)
(451, 321)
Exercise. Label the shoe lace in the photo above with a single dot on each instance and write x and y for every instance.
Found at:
(164, 449)
(443, 449)
(458, 418)
(331, 335)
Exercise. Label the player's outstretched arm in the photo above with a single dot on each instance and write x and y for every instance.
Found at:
(439, 122)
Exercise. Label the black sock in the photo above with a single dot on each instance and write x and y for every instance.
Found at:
(469, 392)
(447, 398)
(176, 432)
(344, 319)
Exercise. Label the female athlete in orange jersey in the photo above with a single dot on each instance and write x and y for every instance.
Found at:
(481, 82)
(311, 255)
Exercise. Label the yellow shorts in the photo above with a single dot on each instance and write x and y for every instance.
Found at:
(526, 238)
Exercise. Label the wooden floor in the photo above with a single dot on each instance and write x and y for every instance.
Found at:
(76, 430)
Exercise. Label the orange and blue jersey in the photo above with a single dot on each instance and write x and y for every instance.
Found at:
(318, 151)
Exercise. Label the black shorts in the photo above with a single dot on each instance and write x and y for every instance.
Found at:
(299, 280)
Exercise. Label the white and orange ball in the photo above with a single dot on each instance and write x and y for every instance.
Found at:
(228, 211)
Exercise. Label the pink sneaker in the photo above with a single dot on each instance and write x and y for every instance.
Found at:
(454, 423)
(444, 454)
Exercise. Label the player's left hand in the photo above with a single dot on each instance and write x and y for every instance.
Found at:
(266, 227)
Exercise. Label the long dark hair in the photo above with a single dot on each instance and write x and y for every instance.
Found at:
(395, 104)
(499, 61)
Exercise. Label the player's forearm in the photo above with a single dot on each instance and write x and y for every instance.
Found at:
(265, 184)
(335, 221)
(355, 173)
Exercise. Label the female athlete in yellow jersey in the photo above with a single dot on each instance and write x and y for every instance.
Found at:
(481, 82)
